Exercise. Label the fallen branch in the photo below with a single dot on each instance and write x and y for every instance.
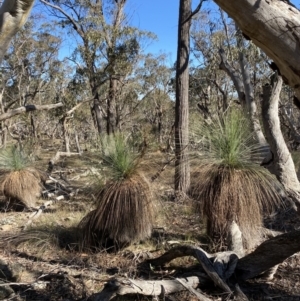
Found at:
(267, 255)
(57, 157)
(219, 267)
(36, 214)
(147, 288)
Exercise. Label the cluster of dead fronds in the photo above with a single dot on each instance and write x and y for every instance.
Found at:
(228, 185)
(124, 212)
(20, 182)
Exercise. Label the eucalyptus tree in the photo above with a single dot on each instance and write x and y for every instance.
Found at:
(32, 73)
(211, 91)
(182, 168)
(271, 25)
(106, 52)
(155, 106)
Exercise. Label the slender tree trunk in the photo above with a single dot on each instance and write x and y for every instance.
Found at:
(96, 113)
(284, 167)
(111, 106)
(249, 94)
(182, 168)
(234, 75)
(66, 133)
(33, 127)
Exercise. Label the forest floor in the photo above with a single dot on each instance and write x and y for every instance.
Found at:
(45, 263)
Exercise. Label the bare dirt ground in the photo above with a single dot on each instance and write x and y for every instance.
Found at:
(43, 262)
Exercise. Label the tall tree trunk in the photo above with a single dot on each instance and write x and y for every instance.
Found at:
(96, 113)
(111, 106)
(66, 133)
(272, 26)
(249, 94)
(284, 167)
(182, 168)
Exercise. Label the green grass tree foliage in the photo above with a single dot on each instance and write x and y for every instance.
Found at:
(20, 182)
(124, 212)
(229, 184)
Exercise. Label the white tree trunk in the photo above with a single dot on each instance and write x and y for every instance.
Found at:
(249, 94)
(13, 15)
(284, 167)
(273, 26)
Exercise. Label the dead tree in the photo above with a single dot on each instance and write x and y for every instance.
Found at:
(225, 269)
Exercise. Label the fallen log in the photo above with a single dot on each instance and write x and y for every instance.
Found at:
(267, 255)
(221, 268)
(148, 288)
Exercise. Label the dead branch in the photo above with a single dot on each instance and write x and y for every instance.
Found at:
(29, 108)
(36, 214)
(268, 254)
(147, 288)
(57, 157)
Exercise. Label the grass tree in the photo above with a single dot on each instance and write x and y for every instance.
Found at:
(124, 212)
(229, 185)
(20, 182)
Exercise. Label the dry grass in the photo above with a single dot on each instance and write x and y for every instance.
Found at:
(227, 194)
(22, 187)
(228, 182)
(124, 214)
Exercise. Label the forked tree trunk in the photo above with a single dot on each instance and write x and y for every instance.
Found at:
(249, 94)
(274, 27)
(244, 88)
(284, 167)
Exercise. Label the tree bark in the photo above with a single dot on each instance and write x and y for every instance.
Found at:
(272, 26)
(234, 75)
(13, 15)
(111, 106)
(97, 113)
(182, 168)
(220, 268)
(249, 95)
(147, 288)
(283, 164)
(268, 254)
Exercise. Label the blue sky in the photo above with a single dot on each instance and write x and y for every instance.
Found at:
(161, 18)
